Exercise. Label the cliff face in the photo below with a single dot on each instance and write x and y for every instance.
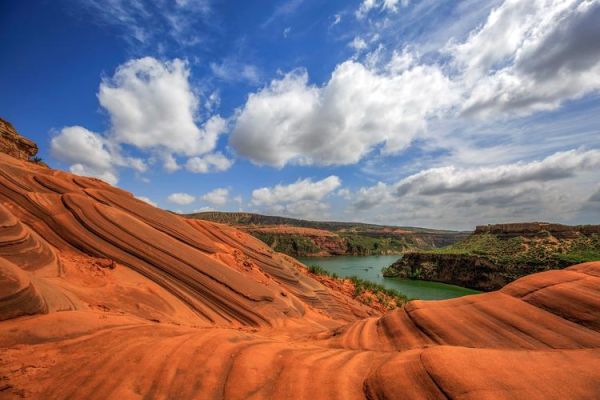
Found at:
(15, 145)
(465, 270)
(496, 255)
(299, 238)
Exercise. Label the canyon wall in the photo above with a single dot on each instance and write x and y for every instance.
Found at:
(496, 255)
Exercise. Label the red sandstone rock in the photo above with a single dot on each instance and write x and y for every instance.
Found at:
(199, 310)
(15, 145)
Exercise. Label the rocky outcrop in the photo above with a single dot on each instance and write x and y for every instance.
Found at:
(538, 229)
(495, 255)
(470, 271)
(15, 145)
(300, 238)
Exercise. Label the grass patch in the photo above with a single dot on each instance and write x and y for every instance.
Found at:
(520, 250)
(379, 291)
(388, 298)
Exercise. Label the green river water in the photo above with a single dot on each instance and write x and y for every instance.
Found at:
(369, 268)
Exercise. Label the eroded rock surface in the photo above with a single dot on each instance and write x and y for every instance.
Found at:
(103, 296)
(14, 144)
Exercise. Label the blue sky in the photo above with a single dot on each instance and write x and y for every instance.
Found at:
(424, 113)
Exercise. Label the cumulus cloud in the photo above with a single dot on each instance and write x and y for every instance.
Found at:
(291, 121)
(527, 56)
(217, 197)
(181, 198)
(90, 154)
(302, 198)
(304, 189)
(215, 162)
(530, 56)
(153, 108)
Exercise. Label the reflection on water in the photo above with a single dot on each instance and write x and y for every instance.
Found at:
(369, 268)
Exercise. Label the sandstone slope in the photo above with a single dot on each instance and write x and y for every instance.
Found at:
(103, 296)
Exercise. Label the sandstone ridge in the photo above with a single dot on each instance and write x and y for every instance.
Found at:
(104, 296)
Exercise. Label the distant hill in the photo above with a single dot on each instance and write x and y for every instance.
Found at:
(298, 237)
(495, 255)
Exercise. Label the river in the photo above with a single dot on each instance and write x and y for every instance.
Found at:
(369, 268)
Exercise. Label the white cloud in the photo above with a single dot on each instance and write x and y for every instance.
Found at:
(153, 107)
(304, 189)
(358, 43)
(291, 121)
(153, 24)
(387, 5)
(84, 170)
(303, 198)
(146, 200)
(217, 197)
(493, 185)
(89, 154)
(181, 198)
(450, 179)
(203, 209)
(337, 18)
(530, 56)
(77, 145)
(526, 57)
(215, 162)
(231, 70)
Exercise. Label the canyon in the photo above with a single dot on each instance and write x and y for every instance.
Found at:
(105, 296)
(496, 255)
(304, 238)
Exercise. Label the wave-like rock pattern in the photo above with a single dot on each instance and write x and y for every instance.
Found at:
(103, 296)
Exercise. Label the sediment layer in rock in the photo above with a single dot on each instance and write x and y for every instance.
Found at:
(103, 296)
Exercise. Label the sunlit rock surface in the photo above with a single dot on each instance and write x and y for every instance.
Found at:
(104, 296)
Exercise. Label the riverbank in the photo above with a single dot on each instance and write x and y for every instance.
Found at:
(369, 269)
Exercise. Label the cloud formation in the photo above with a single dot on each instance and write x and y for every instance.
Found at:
(150, 23)
(555, 187)
(359, 108)
(181, 198)
(217, 197)
(153, 108)
(302, 198)
(526, 57)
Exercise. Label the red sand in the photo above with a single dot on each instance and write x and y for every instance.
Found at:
(104, 296)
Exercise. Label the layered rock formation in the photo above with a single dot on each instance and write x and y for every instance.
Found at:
(103, 296)
(15, 145)
(301, 238)
(496, 255)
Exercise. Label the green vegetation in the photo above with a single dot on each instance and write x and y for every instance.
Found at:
(293, 245)
(520, 250)
(361, 286)
(383, 295)
(367, 245)
(244, 218)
